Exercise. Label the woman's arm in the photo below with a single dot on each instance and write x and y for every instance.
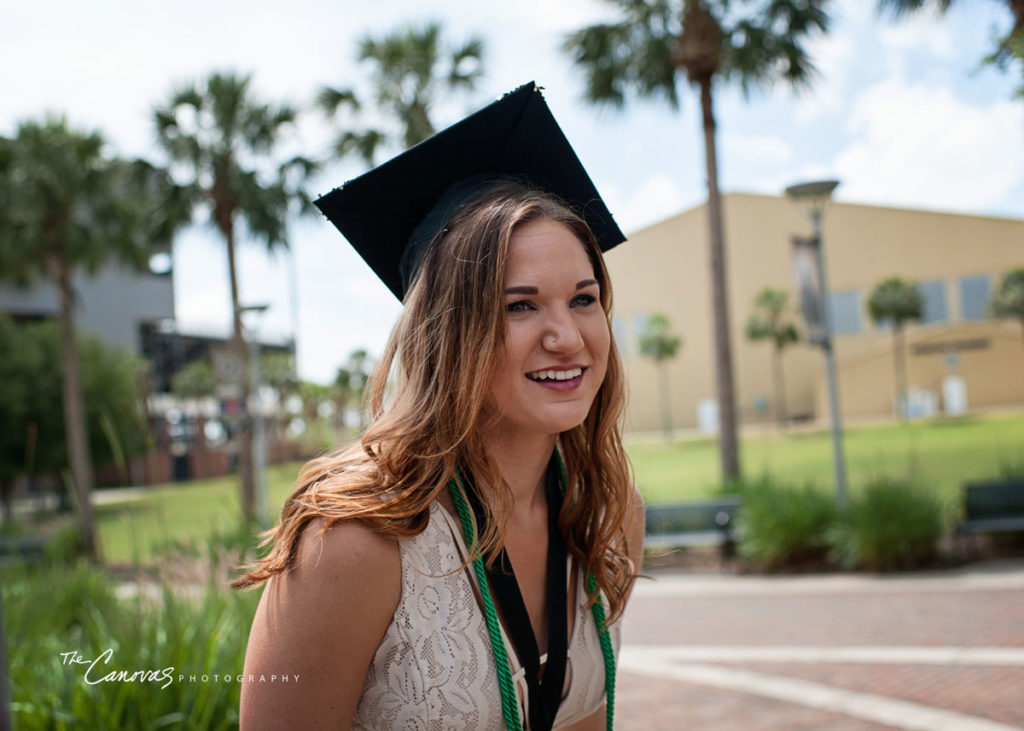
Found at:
(319, 624)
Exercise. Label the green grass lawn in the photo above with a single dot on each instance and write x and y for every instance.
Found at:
(184, 512)
(941, 453)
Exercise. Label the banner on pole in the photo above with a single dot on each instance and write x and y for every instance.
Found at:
(806, 269)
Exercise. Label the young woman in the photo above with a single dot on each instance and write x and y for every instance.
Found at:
(465, 565)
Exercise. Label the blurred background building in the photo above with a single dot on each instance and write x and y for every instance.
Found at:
(135, 311)
(957, 357)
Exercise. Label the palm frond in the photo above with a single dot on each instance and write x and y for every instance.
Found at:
(330, 99)
(902, 8)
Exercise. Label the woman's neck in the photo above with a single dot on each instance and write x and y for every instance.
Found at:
(523, 462)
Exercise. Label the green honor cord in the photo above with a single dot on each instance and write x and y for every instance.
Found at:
(509, 702)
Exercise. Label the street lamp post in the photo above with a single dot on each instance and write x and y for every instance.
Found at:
(255, 410)
(813, 197)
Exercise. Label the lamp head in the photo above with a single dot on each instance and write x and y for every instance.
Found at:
(812, 196)
(254, 308)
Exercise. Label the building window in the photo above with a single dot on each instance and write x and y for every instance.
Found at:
(619, 333)
(639, 326)
(845, 310)
(974, 295)
(933, 301)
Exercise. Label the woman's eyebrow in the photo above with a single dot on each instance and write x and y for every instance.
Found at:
(523, 289)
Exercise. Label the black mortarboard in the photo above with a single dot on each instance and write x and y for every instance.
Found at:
(406, 201)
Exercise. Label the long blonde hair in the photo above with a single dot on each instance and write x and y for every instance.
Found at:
(449, 333)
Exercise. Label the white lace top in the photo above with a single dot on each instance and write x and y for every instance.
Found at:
(434, 669)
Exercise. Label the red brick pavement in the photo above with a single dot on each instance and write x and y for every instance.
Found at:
(651, 704)
(968, 619)
(891, 614)
(996, 693)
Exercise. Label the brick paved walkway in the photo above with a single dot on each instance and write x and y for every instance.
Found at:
(832, 652)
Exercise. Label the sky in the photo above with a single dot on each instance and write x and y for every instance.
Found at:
(902, 113)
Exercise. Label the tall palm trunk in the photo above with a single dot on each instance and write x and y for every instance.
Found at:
(225, 220)
(728, 450)
(781, 413)
(900, 376)
(75, 427)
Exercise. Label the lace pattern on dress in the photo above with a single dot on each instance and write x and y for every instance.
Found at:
(434, 668)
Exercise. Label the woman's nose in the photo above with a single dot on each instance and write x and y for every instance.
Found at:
(562, 334)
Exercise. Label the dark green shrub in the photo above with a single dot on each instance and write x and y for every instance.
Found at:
(1012, 468)
(892, 524)
(782, 526)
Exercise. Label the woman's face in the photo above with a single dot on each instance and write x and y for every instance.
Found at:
(555, 352)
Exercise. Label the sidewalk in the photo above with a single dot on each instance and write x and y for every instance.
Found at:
(941, 650)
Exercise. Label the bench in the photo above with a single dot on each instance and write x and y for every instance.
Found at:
(22, 549)
(698, 523)
(994, 506)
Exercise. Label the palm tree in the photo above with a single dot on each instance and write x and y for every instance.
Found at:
(221, 139)
(411, 71)
(895, 301)
(660, 345)
(195, 381)
(1008, 46)
(350, 385)
(66, 208)
(278, 371)
(1008, 300)
(771, 320)
(649, 50)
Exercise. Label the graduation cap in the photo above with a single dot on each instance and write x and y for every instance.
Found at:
(392, 213)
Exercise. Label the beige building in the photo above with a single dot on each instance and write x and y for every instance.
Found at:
(954, 354)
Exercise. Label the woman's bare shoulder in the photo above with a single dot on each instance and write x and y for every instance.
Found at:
(348, 549)
(321, 621)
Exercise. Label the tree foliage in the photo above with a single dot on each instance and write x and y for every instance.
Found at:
(350, 382)
(1008, 299)
(659, 344)
(771, 319)
(195, 381)
(278, 371)
(1008, 44)
(64, 201)
(655, 41)
(656, 340)
(222, 141)
(32, 433)
(67, 207)
(896, 301)
(411, 70)
(225, 144)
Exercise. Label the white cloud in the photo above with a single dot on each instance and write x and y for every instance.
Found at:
(833, 57)
(752, 149)
(920, 146)
(919, 31)
(922, 32)
(657, 198)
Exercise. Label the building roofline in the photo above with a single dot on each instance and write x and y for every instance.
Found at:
(840, 203)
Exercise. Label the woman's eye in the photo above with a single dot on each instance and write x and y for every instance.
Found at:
(584, 300)
(520, 306)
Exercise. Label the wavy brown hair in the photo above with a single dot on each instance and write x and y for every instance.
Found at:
(429, 408)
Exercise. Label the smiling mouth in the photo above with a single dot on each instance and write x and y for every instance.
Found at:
(566, 375)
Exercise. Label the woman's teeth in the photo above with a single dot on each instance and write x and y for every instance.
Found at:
(555, 375)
